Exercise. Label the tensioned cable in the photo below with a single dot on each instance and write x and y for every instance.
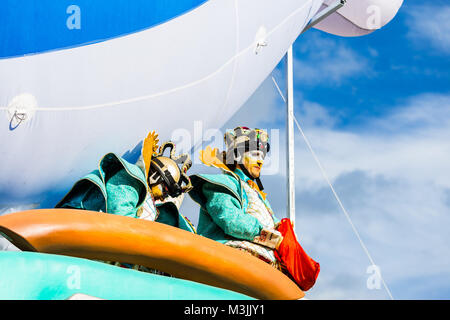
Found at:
(334, 192)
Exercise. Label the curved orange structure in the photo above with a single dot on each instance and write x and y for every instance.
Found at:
(102, 236)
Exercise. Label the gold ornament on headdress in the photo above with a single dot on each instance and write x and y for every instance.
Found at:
(183, 160)
(149, 147)
(212, 158)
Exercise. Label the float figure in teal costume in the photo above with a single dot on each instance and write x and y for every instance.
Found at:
(151, 189)
(233, 208)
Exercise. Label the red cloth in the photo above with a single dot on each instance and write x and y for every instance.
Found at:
(300, 266)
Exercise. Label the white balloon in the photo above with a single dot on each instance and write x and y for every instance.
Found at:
(64, 108)
(86, 101)
(359, 17)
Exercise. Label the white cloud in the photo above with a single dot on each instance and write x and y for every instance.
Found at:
(313, 115)
(429, 24)
(425, 112)
(393, 176)
(409, 143)
(326, 61)
(5, 209)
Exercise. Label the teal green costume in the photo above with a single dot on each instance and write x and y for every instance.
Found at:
(223, 205)
(118, 187)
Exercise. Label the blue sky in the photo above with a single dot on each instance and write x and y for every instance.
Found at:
(376, 110)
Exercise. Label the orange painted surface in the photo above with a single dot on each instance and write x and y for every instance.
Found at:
(102, 236)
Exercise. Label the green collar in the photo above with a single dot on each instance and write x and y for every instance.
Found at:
(241, 175)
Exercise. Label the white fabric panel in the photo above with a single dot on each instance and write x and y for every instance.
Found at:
(338, 25)
(360, 17)
(105, 97)
(141, 64)
(252, 68)
(69, 144)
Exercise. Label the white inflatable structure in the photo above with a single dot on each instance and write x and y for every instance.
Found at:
(359, 17)
(78, 81)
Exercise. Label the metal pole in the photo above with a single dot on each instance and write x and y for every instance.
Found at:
(325, 13)
(290, 136)
(336, 5)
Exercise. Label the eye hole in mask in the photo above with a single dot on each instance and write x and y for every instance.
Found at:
(154, 179)
(255, 156)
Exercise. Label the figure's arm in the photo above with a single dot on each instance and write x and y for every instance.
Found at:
(123, 195)
(227, 213)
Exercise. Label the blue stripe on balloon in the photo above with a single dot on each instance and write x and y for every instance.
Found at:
(36, 26)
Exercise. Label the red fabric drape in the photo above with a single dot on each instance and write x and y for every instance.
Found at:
(300, 266)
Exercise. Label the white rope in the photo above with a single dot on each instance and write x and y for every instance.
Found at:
(334, 192)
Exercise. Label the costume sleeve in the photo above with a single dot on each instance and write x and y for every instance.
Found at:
(227, 213)
(123, 194)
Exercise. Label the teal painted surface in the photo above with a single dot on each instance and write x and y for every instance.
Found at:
(40, 276)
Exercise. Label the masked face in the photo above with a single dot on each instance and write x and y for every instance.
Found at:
(253, 162)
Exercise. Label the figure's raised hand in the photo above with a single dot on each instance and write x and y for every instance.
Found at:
(149, 148)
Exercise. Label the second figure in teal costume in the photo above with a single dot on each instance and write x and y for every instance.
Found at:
(233, 208)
